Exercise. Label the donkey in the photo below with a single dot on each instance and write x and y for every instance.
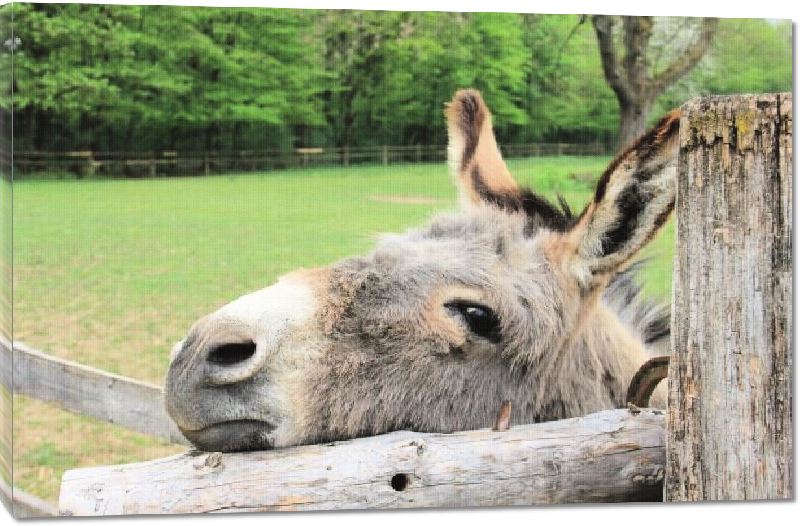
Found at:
(512, 299)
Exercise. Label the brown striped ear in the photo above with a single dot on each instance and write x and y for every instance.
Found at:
(632, 201)
(472, 151)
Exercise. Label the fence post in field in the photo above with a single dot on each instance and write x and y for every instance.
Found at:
(729, 427)
(385, 155)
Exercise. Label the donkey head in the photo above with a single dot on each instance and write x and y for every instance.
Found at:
(510, 299)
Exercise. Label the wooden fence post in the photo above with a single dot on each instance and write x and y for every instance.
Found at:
(729, 427)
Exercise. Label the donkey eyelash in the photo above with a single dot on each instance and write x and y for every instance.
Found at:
(479, 319)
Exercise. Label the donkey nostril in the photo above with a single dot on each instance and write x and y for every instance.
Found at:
(232, 353)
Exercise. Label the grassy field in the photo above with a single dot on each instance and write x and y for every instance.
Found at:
(111, 273)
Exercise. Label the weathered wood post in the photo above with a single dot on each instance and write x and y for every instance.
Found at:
(729, 430)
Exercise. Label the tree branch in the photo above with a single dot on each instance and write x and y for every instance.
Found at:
(638, 30)
(563, 46)
(690, 58)
(604, 28)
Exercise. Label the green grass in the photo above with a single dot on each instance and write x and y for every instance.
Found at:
(111, 273)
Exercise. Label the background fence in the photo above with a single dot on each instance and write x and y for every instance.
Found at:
(182, 163)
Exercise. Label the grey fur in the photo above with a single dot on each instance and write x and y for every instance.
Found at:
(384, 371)
(374, 344)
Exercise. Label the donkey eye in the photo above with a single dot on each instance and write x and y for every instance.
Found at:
(480, 319)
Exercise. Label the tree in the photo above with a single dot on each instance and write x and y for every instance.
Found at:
(638, 79)
(750, 55)
(567, 99)
(105, 77)
(355, 46)
(244, 65)
(436, 54)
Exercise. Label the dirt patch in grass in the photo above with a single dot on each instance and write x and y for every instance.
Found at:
(402, 199)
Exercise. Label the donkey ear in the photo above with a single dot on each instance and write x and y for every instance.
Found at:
(632, 201)
(472, 151)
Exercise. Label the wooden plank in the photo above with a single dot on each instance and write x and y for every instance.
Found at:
(611, 456)
(730, 376)
(27, 506)
(88, 391)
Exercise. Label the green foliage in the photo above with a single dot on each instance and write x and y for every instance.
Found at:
(445, 52)
(127, 70)
(749, 55)
(114, 77)
(568, 96)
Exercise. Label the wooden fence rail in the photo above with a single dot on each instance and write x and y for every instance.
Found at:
(25, 505)
(610, 456)
(175, 163)
(88, 391)
(22, 504)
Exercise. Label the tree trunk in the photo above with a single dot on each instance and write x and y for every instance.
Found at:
(349, 120)
(210, 134)
(631, 78)
(729, 432)
(633, 121)
(41, 132)
(129, 129)
(26, 121)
